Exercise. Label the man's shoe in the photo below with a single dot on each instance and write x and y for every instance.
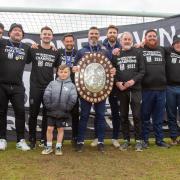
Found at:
(22, 145)
(58, 151)
(42, 143)
(125, 146)
(138, 146)
(115, 143)
(32, 145)
(74, 142)
(145, 144)
(174, 142)
(3, 144)
(100, 147)
(94, 143)
(47, 150)
(79, 147)
(162, 144)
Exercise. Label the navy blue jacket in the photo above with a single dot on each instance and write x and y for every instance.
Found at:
(109, 47)
(90, 49)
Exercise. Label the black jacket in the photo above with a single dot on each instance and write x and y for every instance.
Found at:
(155, 75)
(172, 67)
(129, 65)
(13, 57)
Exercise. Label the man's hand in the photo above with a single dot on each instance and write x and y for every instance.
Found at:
(120, 86)
(113, 71)
(75, 69)
(129, 83)
(35, 46)
(53, 48)
(116, 51)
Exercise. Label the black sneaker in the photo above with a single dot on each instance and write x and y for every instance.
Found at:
(174, 142)
(32, 145)
(162, 144)
(125, 146)
(79, 147)
(138, 146)
(42, 143)
(100, 147)
(145, 144)
(74, 142)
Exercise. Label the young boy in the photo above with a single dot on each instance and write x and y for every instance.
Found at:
(59, 98)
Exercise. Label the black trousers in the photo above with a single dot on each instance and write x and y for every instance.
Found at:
(35, 101)
(16, 94)
(132, 97)
(75, 120)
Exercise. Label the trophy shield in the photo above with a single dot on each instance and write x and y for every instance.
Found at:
(94, 81)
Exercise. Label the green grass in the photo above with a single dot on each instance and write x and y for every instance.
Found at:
(153, 163)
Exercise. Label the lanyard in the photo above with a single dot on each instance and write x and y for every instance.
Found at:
(91, 48)
(68, 58)
(16, 50)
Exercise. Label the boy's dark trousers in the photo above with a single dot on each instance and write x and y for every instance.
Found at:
(35, 100)
(132, 98)
(14, 93)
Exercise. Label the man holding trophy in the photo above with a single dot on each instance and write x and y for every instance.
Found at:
(93, 50)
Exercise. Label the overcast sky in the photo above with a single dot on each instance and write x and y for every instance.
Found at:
(159, 6)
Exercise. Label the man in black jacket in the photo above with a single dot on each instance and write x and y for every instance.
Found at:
(67, 56)
(154, 88)
(13, 56)
(111, 43)
(44, 60)
(173, 88)
(130, 71)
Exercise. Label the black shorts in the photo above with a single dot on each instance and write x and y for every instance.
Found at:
(51, 121)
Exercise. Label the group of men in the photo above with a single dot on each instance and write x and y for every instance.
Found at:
(144, 78)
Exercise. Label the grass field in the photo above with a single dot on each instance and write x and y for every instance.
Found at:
(153, 163)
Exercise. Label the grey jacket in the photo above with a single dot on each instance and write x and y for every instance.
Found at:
(59, 98)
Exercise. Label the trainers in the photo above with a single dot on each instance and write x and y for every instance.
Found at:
(138, 146)
(47, 150)
(3, 144)
(94, 143)
(125, 146)
(42, 143)
(79, 147)
(115, 143)
(58, 151)
(32, 145)
(74, 142)
(100, 147)
(162, 144)
(174, 142)
(145, 144)
(22, 145)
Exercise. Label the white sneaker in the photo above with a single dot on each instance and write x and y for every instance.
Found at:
(59, 151)
(47, 150)
(3, 144)
(22, 145)
(115, 143)
(94, 142)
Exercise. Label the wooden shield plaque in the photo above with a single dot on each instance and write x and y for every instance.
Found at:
(94, 81)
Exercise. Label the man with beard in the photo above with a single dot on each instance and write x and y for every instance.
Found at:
(43, 59)
(67, 56)
(111, 43)
(92, 46)
(154, 88)
(173, 88)
(130, 71)
(1, 30)
(13, 57)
